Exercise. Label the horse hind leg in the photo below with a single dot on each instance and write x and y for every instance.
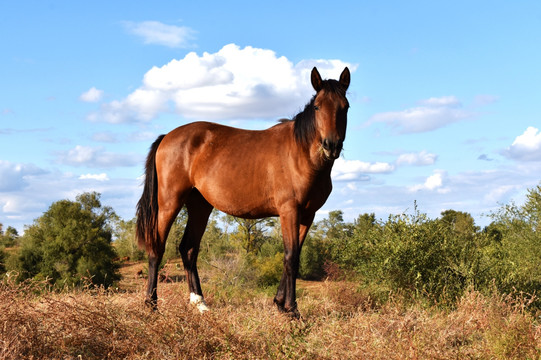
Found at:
(198, 214)
(167, 214)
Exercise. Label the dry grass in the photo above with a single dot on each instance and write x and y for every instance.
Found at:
(338, 323)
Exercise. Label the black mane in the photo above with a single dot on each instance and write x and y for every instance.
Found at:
(305, 125)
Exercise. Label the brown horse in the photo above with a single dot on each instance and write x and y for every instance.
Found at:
(282, 171)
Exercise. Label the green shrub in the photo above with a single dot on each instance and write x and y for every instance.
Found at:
(269, 270)
(70, 244)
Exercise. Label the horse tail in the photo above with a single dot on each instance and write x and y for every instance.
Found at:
(147, 207)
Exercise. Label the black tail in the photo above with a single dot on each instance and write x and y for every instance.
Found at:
(147, 207)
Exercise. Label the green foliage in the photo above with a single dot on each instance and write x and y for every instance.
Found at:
(215, 242)
(3, 258)
(312, 260)
(430, 258)
(125, 243)
(440, 259)
(269, 269)
(175, 236)
(410, 253)
(70, 244)
(8, 238)
(516, 234)
(249, 233)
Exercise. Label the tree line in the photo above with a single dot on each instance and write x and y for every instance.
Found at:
(79, 242)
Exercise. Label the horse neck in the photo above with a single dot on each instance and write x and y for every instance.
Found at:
(317, 159)
(309, 156)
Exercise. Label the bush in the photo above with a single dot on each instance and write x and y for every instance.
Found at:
(412, 254)
(515, 236)
(70, 244)
(312, 261)
(269, 270)
(125, 243)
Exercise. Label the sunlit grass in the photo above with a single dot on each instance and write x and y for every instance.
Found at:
(339, 322)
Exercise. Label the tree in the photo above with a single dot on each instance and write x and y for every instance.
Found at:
(175, 235)
(459, 222)
(215, 242)
(125, 243)
(250, 232)
(9, 237)
(516, 235)
(70, 243)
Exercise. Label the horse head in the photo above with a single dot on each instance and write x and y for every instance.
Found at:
(331, 108)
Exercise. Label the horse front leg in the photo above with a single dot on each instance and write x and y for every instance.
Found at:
(304, 227)
(153, 268)
(285, 298)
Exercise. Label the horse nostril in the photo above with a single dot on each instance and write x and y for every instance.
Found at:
(326, 144)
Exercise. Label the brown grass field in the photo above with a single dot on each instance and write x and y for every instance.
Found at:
(339, 322)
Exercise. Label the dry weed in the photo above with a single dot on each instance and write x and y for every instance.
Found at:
(339, 323)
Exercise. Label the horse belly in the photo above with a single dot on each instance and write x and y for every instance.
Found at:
(240, 188)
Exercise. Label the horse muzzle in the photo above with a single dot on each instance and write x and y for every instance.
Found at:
(331, 149)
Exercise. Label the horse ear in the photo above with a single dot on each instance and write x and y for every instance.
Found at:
(345, 78)
(316, 79)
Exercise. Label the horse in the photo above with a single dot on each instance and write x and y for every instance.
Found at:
(283, 171)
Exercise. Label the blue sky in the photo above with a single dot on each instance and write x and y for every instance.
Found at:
(444, 95)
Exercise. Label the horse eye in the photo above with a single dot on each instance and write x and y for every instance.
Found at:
(316, 108)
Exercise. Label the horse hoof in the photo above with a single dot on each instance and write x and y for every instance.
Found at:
(199, 303)
(280, 306)
(294, 314)
(151, 304)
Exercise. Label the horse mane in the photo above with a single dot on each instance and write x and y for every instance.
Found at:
(305, 121)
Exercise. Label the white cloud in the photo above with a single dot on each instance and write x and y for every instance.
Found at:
(91, 95)
(155, 32)
(15, 204)
(418, 159)
(434, 113)
(433, 183)
(233, 83)
(348, 170)
(14, 176)
(20, 207)
(499, 192)
(96, 157)
(441, 101)
(105, 136)
(97, 177)
(526, 147)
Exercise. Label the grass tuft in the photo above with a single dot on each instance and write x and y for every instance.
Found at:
(339, 321)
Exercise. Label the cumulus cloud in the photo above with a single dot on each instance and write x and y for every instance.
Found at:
(417, 159)
(97, 177)
(233, 83)
(349, 170)
(432, 114)
(155, 32)
(14, 176)
(19, 207)
(96, 157)
(91, 95)
(432, 183)
(526, 147)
